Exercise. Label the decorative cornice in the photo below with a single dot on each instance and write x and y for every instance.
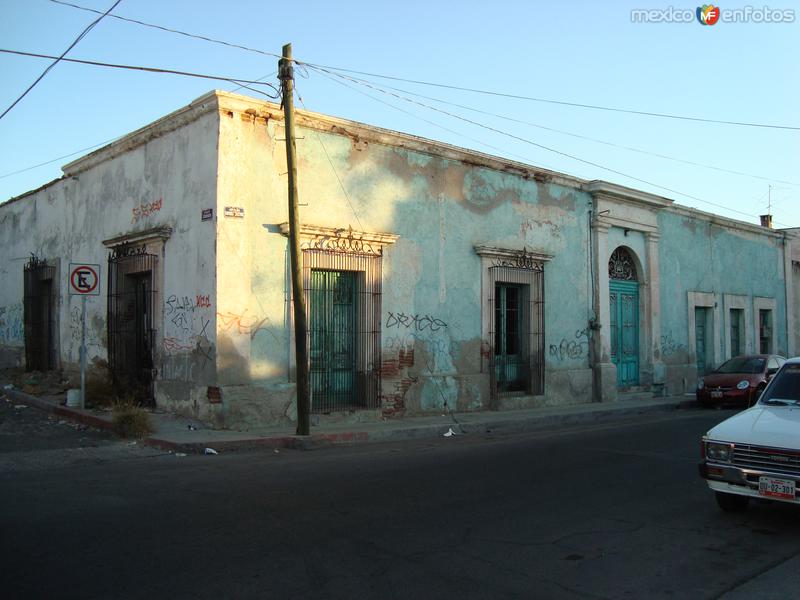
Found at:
(315, 237)
(518, 259)
(140, 237)
(604, 189)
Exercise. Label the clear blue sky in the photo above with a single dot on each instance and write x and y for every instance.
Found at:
(584, 52)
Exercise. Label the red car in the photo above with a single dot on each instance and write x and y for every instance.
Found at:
(739, 380)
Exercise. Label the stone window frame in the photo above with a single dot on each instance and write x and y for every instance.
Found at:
(704, 300)
(492, 256)
(763, 303)
(737, 302)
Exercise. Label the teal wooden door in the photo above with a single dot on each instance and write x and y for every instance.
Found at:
(700, 337)
(332, 305)
(624, 296)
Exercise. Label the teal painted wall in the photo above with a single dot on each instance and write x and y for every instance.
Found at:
(700, 256)
(441, 208)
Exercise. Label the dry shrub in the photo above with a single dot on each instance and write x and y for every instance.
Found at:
(130, 420)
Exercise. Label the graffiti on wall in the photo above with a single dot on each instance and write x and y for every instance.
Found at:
(187, 349)
(11, 323)
(185, 321)
(145, 210)
(572, 349)
(414, 322)
(241, 323)
(436, 350)
(669, 346)
(414, 340)
(417, 332)
(76, 330)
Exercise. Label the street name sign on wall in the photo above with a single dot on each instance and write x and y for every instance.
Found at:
(84, 279)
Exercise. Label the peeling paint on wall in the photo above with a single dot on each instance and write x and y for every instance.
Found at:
(12, 330)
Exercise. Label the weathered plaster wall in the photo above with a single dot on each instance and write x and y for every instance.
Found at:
(441, 208)
(252, 326)
(163, 182)
(701, 256)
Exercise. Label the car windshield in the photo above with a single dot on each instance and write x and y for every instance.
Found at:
(785, 387)
(742, 364)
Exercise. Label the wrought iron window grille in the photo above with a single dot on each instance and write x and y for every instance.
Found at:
(621, 265)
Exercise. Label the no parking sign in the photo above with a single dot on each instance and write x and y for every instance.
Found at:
(84, 279)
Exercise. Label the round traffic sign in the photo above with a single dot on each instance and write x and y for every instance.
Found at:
(83, 279)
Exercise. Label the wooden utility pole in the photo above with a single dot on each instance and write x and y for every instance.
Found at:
(286, 74)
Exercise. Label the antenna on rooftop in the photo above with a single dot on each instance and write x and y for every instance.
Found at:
(766, 220)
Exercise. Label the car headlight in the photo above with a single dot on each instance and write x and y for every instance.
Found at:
(700, 384)
(743, 384)
(719, 451)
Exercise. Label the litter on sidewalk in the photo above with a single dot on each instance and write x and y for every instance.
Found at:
(449, 433)
(210, 451)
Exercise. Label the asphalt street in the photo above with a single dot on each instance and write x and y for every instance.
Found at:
(611, 510)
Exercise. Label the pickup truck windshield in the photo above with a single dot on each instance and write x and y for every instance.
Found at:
(785, 387)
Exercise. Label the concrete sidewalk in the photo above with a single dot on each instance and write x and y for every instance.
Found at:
(184, 434)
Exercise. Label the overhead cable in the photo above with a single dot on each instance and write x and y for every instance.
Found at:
(171, 30)
(560, 102)
(444, 85)
(532, 143)
(59, 58)
(95, 63)
(585, 137)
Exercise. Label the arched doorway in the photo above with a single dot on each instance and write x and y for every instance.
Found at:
(623, 286)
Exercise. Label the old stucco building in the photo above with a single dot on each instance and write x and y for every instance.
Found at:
(436, 277)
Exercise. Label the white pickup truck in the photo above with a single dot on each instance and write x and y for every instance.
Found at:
(756, 453)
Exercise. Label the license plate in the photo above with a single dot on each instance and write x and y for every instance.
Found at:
(716, 394)
(776, 488)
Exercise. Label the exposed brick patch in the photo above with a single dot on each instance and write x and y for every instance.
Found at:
(396, 382)
(389, 368)
(406, 357)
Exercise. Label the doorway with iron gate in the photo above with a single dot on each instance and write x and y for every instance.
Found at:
(131, 330)
(39, 316)
(342, 281)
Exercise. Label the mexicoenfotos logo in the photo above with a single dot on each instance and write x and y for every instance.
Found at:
(708, 14)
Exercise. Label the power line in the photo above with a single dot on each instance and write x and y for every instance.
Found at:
(170, 30)
(547, 148)
(147, 69)
(93, 146)
(260, 79)
(48, 162)
(500, 151)
(585, 137)
(330, 162)
(560, 102)
(443, 85)
(63, 54)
